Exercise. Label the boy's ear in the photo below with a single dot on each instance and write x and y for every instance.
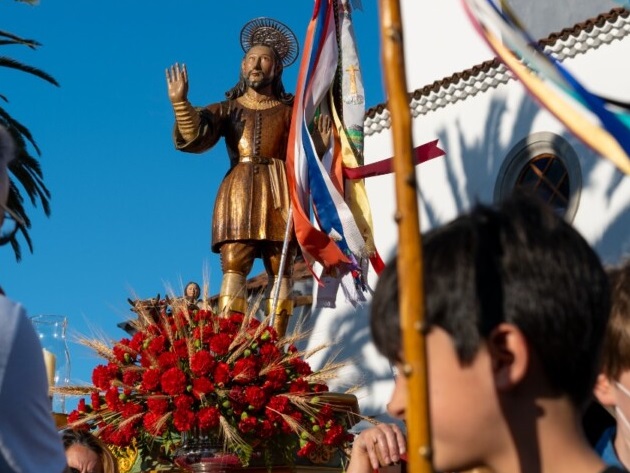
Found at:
(509, 354)
(604, 391)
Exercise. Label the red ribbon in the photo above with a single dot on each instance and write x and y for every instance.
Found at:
(422, 154)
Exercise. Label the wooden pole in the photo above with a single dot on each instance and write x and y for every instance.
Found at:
(411, 293)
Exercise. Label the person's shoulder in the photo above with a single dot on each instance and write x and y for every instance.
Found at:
(11, 313)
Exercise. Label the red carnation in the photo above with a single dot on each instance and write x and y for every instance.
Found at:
(130, 377)
(74, 416)
(137, 341)
(173, 381)
(183, 420)
(220, 343)
(300, 385)
(335, 435)
(265, 429)
(112, 398)
(325, 414)
(320, 388)
(130, 409)
(95, 397)
(180, 347)
(157, 345)
(307, 449)
(255, 397)
(151, 379)
(203, 333)
(247, 425)
(167, 360)
(277, 405)
(184, 402)
(202, 387)
(202, 315)
(221, 374)
(151, 421)
(276, 378)
(269, 353)
(121, 436)
(180, 320)
(208, 417)
(201, 363)
(102, 377)
(245, 370)
(123, 353)
(301, 366)
(157, 405)
(81, 406)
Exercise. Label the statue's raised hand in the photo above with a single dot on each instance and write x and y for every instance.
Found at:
(177, 82)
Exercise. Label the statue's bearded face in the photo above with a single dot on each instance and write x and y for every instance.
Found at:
(258, 67)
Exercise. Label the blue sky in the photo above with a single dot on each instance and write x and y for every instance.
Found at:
(130, 215)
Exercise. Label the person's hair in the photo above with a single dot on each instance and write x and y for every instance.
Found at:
(84, 438)
(277, 87)
(616, 350)
(517, 263)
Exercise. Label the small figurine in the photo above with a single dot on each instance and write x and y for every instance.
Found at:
(191, 294)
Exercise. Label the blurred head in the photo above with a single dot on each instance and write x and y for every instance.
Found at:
(7, 153)
(86, 453)
(616, 350)
(518, 264)
(516, 307)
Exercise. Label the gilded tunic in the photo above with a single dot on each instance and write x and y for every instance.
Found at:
(252, 202)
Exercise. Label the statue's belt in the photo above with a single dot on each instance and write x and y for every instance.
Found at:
(256, 160)
(277, 178)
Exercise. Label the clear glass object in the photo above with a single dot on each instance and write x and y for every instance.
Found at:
(201, 452)
(52, 336)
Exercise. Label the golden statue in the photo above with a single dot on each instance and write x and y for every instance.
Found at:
(252, 204)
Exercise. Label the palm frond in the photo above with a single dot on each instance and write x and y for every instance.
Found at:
(15, 39)
(13, 64)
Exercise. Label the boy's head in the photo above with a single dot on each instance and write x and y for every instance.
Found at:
(613, 383)
(517, 295)
(616, 349)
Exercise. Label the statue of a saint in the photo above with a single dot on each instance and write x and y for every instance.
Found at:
(251, 207)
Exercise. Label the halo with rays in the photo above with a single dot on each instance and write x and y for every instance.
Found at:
(269, 32)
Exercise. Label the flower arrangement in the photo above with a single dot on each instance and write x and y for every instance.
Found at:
(187, 369)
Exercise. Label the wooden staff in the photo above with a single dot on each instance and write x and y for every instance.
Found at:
(411, 288)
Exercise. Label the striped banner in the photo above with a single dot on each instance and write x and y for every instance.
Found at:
(334, 237)
(602, 124)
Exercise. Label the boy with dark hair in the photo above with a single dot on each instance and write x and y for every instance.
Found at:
(516, 306)
(612, 389)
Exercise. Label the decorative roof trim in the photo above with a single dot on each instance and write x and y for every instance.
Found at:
(570, 42)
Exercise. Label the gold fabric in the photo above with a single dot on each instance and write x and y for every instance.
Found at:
(252, 202)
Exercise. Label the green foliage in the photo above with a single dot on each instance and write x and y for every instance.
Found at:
(27, 178)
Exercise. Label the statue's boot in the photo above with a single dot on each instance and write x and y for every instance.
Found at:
(284, 305)
(233, 295)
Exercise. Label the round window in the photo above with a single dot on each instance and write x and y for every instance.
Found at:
(543, 163)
